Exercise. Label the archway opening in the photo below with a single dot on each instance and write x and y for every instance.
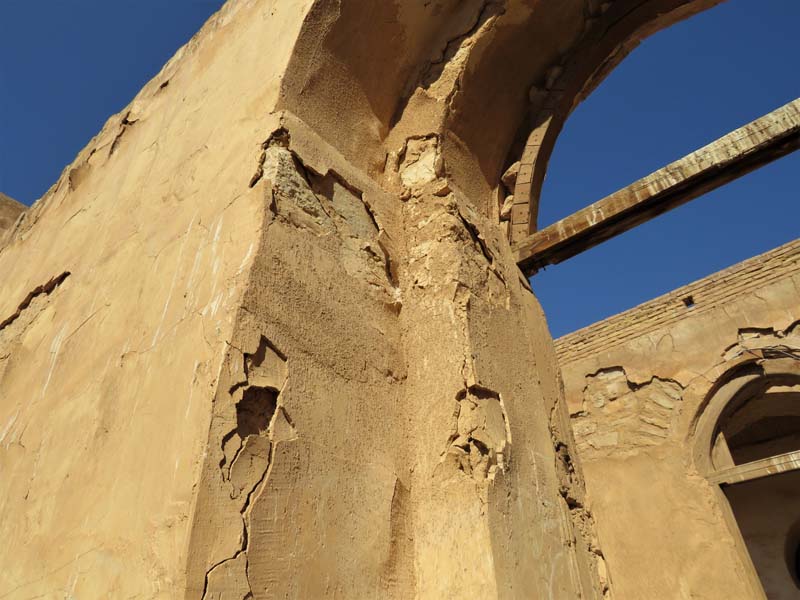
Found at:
(766, 511)
(766, 425)
(683, 87)
(755, 458)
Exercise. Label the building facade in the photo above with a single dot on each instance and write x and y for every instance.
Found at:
(267, 336)
(686, 413)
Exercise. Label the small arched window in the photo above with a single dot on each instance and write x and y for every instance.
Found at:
(761, 423)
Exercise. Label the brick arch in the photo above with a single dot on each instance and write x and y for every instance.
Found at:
(611, 36)
(717, 389)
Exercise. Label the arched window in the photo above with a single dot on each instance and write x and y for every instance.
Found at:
(749, 445)
(763, 423)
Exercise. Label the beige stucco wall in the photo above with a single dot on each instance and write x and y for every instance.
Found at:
(266, 335)
(635, 386)
(106, 381)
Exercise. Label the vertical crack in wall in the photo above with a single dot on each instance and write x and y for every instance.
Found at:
(126, 123)
(488, 10)
(477, 239)
(481, 244)
(572, 491)
(450, 48)
(248, 452)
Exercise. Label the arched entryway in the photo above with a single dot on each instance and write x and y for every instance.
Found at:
(749, 445)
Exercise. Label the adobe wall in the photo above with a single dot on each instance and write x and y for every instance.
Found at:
(120, 291)
(265, 335)
(636, 385)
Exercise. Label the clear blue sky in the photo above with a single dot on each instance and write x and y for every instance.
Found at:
(66, 66)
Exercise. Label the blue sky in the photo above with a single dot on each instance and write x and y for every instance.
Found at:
(681, 89)
(66, 66)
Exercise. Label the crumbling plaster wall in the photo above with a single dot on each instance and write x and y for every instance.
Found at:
(263, 338)
(411, 439)
(635, 386)
(119, 291)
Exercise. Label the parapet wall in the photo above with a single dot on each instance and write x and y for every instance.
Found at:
(713, 293)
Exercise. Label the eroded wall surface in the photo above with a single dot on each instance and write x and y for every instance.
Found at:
(119, 293)
(265, 337)
(10, 210)
(635, 385)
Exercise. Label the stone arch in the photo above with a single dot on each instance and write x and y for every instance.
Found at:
(611, 36)
(492, 80)
(743, 378)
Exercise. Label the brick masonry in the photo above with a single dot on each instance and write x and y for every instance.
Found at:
(705, 294)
